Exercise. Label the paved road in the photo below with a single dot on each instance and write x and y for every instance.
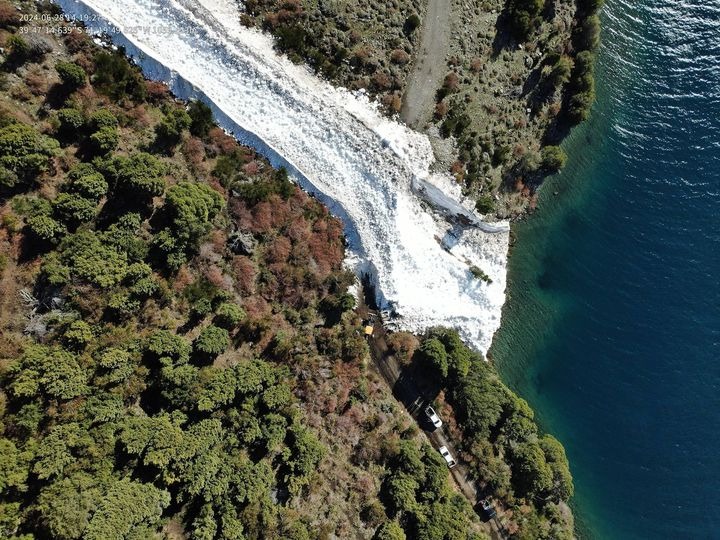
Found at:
(429, 65)
(406, 390)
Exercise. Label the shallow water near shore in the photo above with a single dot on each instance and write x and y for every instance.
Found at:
(612, 327)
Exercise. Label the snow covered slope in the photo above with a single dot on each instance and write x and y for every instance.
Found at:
(372, 172)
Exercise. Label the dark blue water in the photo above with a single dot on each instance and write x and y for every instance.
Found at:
(612, 330)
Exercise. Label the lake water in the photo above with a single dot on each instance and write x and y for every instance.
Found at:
(612, 328)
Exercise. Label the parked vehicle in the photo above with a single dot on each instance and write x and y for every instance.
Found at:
(432, 415)
(488, 510)
(445, 453)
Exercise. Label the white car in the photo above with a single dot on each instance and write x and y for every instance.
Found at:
(432, 415)
(445, 453)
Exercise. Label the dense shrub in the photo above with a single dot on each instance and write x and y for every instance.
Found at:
(9, 15)
(72, 75)
(485, 204)
(19, 50)
(412, 23)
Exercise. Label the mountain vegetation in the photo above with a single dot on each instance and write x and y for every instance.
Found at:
(179, 353)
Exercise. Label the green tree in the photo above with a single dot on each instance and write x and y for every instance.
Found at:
(102, 118)
(432, 354)
(88, 184)
(588, 33)
(70, 120)
(119, 364)
(205, 525)
(553, 158)
(88, 258)
(24, 153)
(164, 343)
(67, 504)
(563, 488)
(580, 105)
(190, 208)
(46, 228)
(390, 530)
(170, 129)
(447, 517)
(479, 400)
(115, 77)
(59, 449)
(72, 75)
(140, 174)
(10, 520)
(73, 209)
(523, 16)
(201, 118)
(459, 356)
(302, 456)
(229, 315)
(561, 71)
(128, 509)
(62, 376)
(531, 474)
(78, 335)
(126, 236)
(400, 490)
(14, 467)
(590, 6)
(156, 440)
(105, 140)
(212, 341)
(218, 387)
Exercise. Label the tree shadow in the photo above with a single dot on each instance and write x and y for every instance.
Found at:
(503, 39)
(57, 96)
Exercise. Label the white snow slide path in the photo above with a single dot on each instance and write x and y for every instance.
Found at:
(372, 172)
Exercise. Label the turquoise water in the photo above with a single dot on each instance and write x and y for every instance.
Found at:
(612, 329)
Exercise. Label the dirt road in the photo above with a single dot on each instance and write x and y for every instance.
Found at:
(429, 65)
(406, 391)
